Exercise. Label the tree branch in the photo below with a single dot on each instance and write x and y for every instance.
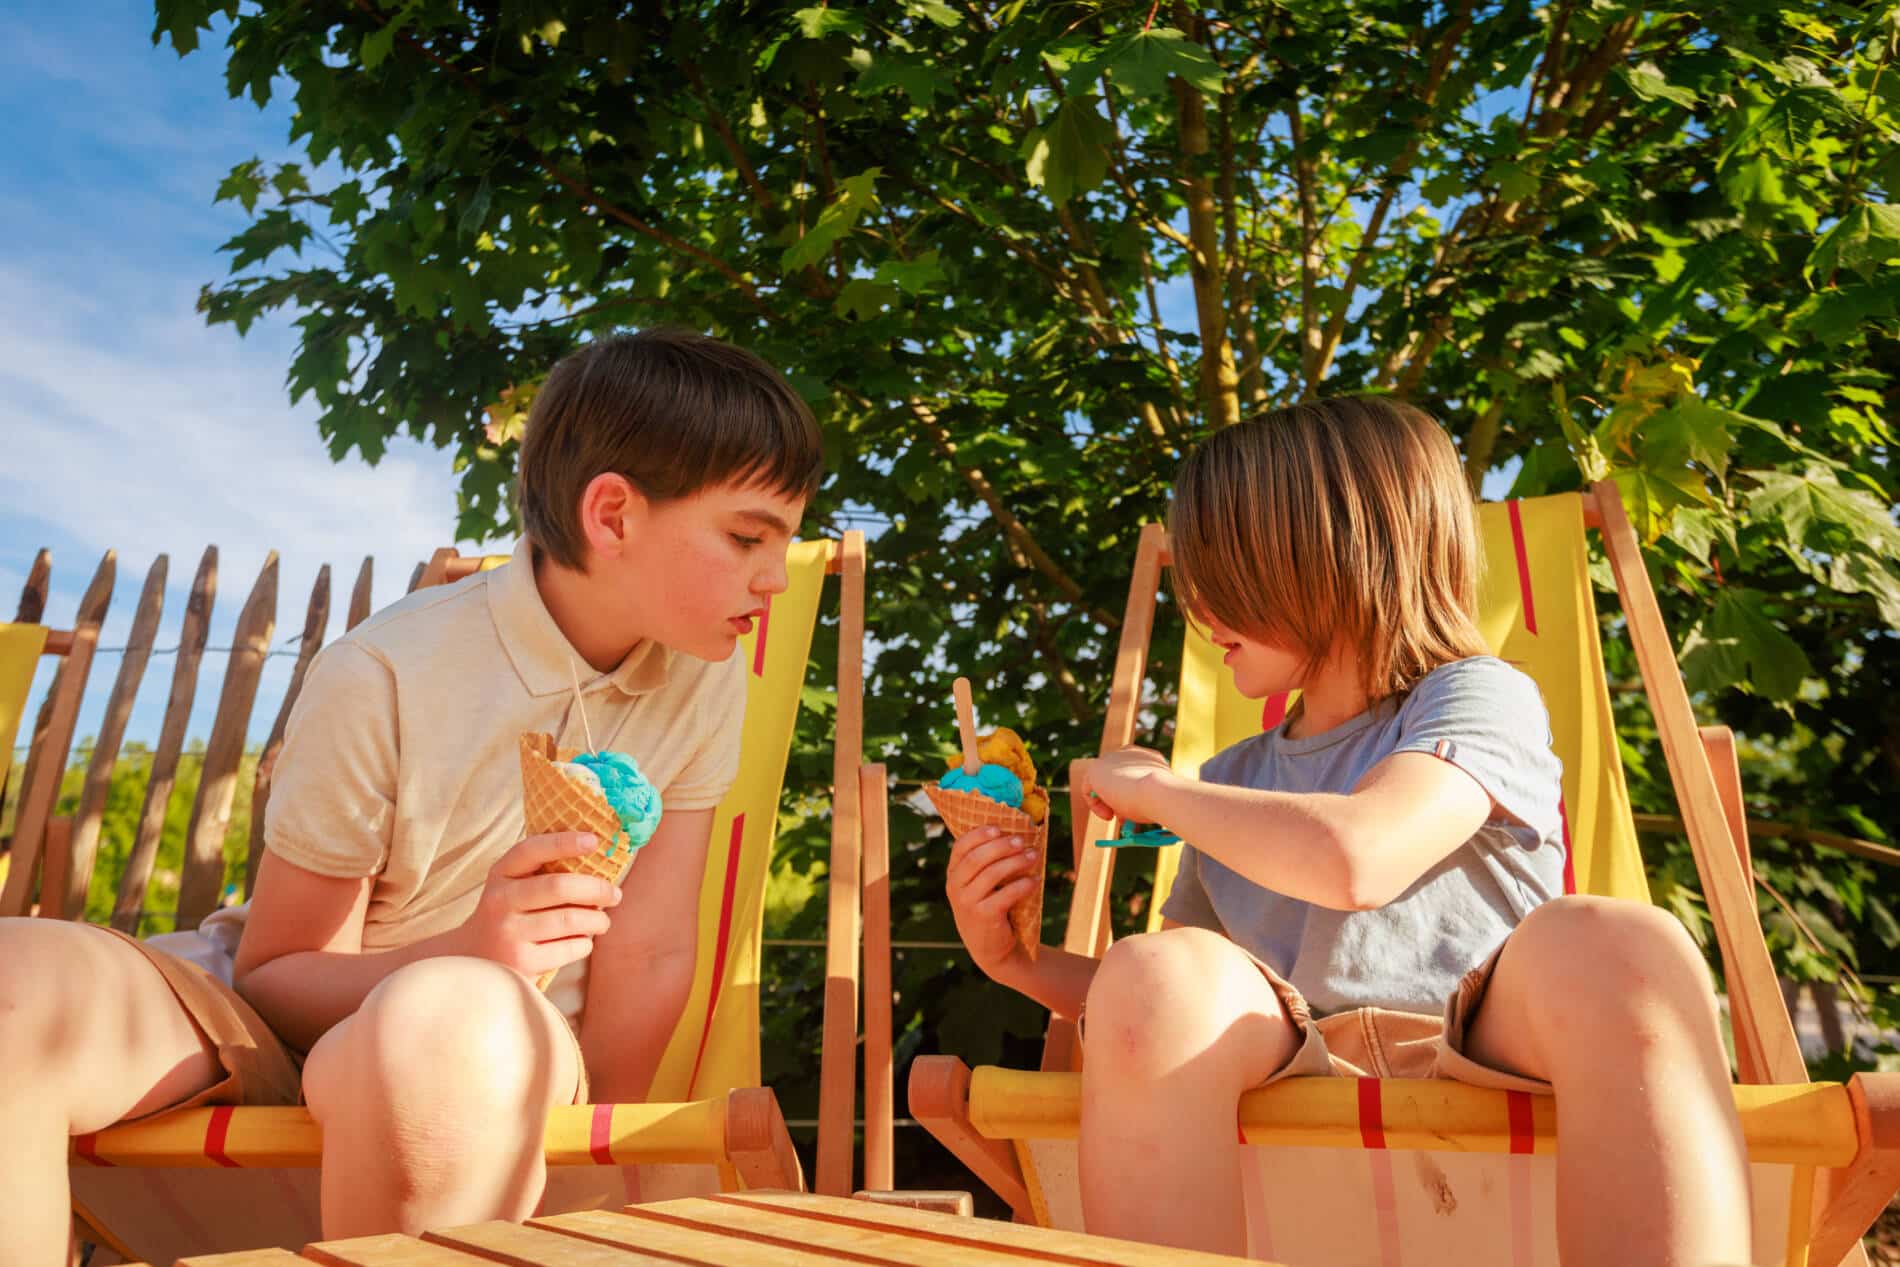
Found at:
(747, 172)
(986, 493)
(1220, 386)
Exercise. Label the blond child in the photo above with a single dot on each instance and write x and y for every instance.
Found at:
(1374, 887)
(399, 921)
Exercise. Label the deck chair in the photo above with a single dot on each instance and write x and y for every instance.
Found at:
(1477, 1184)
(209, 1180)
(37, 777)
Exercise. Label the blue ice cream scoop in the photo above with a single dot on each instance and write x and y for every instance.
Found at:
(634, 800)
(997, 782)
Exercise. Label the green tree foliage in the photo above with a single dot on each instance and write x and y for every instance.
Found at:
(1020, 256)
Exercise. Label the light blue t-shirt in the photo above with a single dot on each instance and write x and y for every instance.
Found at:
(1484, 717)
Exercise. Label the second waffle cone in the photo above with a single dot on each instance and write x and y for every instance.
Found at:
(966, 811)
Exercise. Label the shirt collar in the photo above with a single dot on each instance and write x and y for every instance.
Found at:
(539, 650)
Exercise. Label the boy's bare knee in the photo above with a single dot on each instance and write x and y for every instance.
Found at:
(448, 1037)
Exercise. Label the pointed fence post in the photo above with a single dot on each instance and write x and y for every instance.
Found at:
(171, 741)
(52, 741)
(316, 620)
(84, 845)
(360, 595)
(201, 888)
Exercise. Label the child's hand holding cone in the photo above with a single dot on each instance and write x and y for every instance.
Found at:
(536, 921)
(967, 800)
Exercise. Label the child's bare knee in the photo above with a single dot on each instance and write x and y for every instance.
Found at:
(1613, 962)
(1164, 997)
(444, 1038)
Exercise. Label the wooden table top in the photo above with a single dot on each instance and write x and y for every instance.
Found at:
(754, 1229)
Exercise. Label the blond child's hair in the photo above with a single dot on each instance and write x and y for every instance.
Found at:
(1336, 524)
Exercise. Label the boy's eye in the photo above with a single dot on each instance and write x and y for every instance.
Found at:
(746, 542)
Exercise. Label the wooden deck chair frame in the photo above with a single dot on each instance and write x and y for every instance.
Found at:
(741, 1133)
(40, 840)
(1843, 1141)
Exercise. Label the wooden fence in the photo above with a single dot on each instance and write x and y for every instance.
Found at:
(52, 856)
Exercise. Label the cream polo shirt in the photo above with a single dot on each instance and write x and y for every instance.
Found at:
(400, 760)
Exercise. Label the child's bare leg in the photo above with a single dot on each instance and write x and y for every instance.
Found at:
(89, 1034)
(1609, 1001)
(433, 1099)
(1179, 1023)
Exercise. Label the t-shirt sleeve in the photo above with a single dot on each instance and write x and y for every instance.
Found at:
(1187, 898)
(333, 790)
(1187, 901)
(1488, 719)
(720, 709)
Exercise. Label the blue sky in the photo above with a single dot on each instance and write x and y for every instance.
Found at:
(129, 424)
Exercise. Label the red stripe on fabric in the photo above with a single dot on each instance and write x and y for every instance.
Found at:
(1523, 1212)
(719, 950)
(600, 1134)
(215, 1132)
(1523, 568)
(1523, 1134)
(1371, 1115)
(87, 1146)
(1385, 1203)
(1570, 855)
(1274, 712)
(758, 647)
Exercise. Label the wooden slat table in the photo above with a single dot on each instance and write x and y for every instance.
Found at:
(754, 1229)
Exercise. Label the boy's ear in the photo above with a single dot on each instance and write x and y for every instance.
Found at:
(612, 511)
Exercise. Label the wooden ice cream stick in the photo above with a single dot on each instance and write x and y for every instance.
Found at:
(966, 725)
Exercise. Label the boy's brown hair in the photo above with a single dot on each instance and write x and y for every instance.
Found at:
(674, 412)
(1336, 523)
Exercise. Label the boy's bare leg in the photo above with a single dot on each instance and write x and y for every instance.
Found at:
(89, 1034)
(1610, 1003)
(1178, 1024)
(434, 1097)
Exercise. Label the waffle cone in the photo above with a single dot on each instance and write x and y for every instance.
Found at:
(552, 802)
(966, 811)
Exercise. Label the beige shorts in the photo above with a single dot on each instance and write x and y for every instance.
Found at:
(1377, 1042)
(259, 1067)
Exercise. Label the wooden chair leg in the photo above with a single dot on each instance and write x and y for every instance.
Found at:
(56, 861)
(759, 1143)
(940, 1102)
(1718, 744)
(1850, 1198)
(879, 1110)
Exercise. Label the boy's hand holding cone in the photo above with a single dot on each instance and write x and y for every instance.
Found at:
(979, 793)
(558, 797)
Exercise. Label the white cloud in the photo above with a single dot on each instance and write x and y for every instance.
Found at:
(145, 431)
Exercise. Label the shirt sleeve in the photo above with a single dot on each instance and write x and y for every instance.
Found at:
(1188, 902)
(333, 790)
(704, 780)
(1488, 719)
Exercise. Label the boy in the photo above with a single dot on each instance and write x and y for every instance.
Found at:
(398, 919)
